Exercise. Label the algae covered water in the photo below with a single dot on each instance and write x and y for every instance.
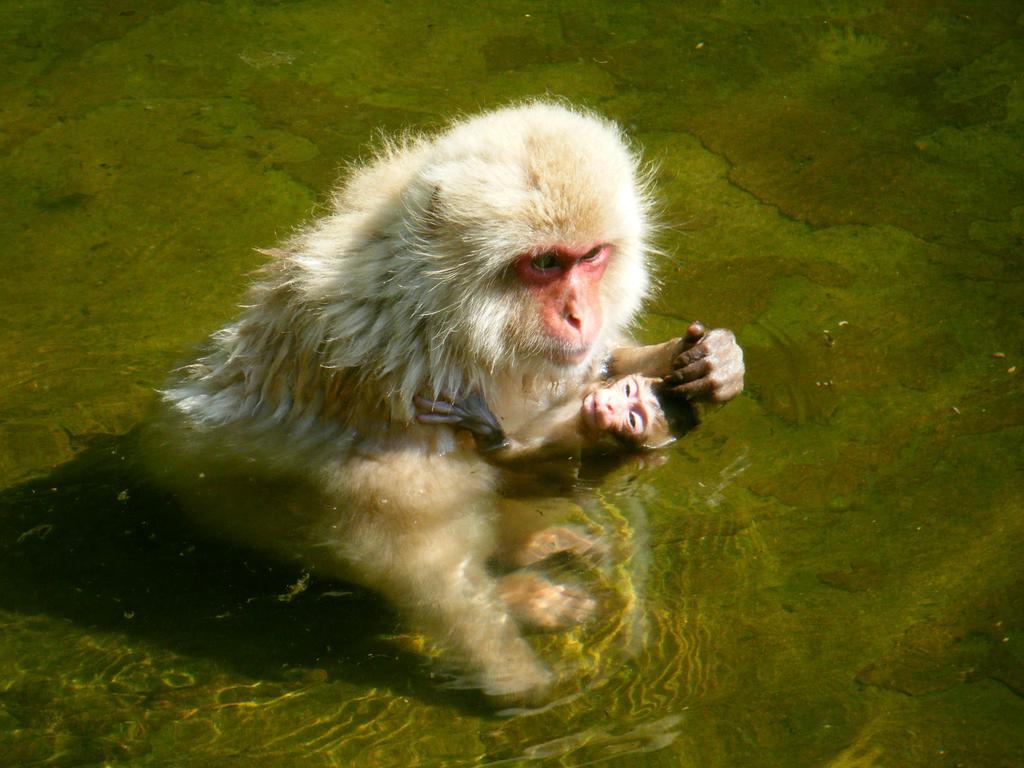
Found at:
(829, 571)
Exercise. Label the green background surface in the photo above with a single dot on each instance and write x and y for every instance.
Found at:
(828, 572)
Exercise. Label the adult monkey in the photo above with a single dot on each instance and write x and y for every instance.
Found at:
(503, 256)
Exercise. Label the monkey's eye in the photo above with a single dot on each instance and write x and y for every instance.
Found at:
(593, 253)
(544, 261)
(632, 421)
(628, 389)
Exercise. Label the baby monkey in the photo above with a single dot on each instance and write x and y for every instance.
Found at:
(620, 414)
(623, 413)
(611, 416)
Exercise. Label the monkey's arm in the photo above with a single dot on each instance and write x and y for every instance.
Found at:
(702, 365)
(654, 360)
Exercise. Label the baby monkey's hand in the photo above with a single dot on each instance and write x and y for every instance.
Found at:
(469, 413)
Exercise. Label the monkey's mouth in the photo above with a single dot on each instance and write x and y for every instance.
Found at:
(568, 355)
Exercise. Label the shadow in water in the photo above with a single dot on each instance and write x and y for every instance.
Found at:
(96, 543)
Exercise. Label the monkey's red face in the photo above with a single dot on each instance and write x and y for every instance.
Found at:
(565, 283)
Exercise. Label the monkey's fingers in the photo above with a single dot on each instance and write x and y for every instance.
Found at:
(488, 436)
(493, 443)
(694, 389)
(438, 418)
(698, 369)
(689, 356)
(427, 406)
(477, 408)
(694, 332)
(470, 414)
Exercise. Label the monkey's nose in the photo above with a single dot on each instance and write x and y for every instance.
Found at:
(574, 313)
(605, 411)
(573, 320)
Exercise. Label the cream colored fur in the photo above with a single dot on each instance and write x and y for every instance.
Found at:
(404, 287)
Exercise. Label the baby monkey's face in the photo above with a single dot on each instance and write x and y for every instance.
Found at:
(626, 408)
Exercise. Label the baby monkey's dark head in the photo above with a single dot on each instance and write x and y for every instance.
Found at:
(677, 417)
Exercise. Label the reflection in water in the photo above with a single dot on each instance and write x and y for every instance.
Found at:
(193, 605)
(596, 745)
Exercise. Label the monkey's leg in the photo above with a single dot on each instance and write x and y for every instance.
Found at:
(439, 581)
(420, 535)
(534, 530)
(547, 542)
(537, 602)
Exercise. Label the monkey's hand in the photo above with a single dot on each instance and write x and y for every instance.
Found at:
(470, 413)
(541, 604)
(708, 366)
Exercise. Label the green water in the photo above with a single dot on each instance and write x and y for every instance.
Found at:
(828, 572)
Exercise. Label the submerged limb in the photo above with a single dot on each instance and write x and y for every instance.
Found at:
(542, 604)
(547, 542)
